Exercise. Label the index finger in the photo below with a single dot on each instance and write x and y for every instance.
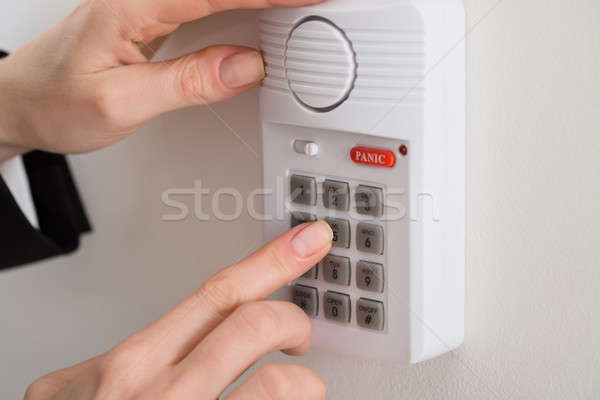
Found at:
(284, 259)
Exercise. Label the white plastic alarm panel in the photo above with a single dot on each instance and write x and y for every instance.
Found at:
(363, 125)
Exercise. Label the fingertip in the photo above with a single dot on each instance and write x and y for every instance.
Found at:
(312, 239)
(242, 68)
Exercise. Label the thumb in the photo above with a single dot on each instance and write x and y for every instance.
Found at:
(210, 75)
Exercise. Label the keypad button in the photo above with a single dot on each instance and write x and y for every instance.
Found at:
(370, 314)
(307, 298)
(303, 190)
(336, 195)
(369, 201)
(336, 269)
(311, 273)
(341, 232)
(369, 238)
(337, 306)
(299, 218)
(369, 276)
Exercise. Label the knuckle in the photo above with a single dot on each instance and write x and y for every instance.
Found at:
(278, 381)
(301, 318)
(278, 260)
(218, 294)
(37, 390)
(107, 102)
(194, 81)
(258, 320)
(112, 374)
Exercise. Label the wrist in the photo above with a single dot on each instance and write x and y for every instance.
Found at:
(9, 131)
(8, 152)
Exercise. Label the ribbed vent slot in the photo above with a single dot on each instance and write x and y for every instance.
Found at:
(391, 63)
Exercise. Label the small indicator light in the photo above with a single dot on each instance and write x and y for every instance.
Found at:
(403, 150)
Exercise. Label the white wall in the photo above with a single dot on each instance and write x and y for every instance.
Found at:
(533, 273)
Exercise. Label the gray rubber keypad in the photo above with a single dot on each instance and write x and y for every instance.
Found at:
(332, 290)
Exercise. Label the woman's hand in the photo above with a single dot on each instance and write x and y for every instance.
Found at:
(85, 83)
(199, 348)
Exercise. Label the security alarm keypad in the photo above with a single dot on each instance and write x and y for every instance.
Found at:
(363, 126)
(353, 284)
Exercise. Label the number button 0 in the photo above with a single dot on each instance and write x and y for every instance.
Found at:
(369, 276)
(337, 306)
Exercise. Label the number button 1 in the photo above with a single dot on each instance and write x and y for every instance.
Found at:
(303, 190)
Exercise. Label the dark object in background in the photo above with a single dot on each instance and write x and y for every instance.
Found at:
(60, 213)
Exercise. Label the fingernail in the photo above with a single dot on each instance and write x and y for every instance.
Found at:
(312, 239)
(242, 69)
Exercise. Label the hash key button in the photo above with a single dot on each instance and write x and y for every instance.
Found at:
(307, 298)
(369, 238)
(303, 190)
(337, 306)
(369, 314)
(341, 232)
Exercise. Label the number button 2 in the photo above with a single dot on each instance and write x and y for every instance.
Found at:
(337, 306)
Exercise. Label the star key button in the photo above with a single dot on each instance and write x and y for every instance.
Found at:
(307, 298)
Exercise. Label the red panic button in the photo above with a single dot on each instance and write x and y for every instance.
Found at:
(374, 157)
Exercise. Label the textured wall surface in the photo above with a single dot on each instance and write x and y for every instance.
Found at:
(533, 273)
